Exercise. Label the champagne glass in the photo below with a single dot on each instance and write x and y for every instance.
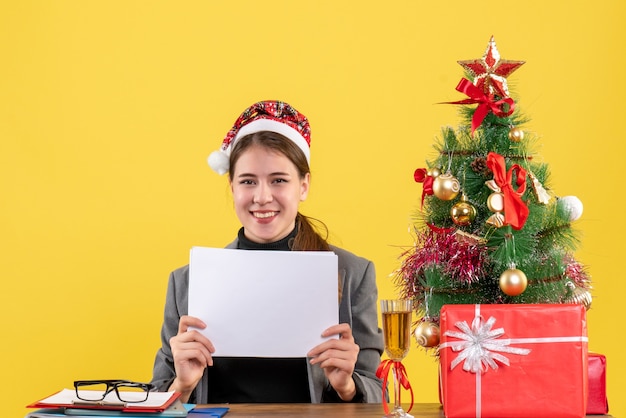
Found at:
(396, 315)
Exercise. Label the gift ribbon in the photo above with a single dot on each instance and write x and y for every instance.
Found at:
(515, 210)
(479, 342)
(421, 176)
(485, 102)
(480, 347)
(383, 373)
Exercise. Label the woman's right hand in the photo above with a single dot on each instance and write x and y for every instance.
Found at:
(192, 354)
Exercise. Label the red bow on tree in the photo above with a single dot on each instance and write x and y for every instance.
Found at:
(421, 176)
(515, 210)
(486, 102)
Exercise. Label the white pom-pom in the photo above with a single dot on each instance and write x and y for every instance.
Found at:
(219, 162)
(573, 206)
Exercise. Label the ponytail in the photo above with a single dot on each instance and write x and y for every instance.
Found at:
(309, 237)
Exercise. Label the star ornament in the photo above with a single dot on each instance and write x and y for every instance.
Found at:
(490, 72)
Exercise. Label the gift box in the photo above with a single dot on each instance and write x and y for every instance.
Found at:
(513, 361)
(597, 401)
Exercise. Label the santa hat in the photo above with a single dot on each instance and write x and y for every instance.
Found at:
(269, 115)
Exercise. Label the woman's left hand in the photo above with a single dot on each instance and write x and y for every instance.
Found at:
(337, 357)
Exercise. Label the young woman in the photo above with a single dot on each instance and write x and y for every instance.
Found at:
(266, 155)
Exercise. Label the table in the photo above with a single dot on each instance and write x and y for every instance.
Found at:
(330, 410)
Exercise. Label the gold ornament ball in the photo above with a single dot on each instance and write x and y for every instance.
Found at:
(516, 135)
(463, 213)
(427, 334)
(446, 186)
(513, 282)
(433, 172)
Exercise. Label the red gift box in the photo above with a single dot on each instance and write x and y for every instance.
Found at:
(514, 361)
(597, 400)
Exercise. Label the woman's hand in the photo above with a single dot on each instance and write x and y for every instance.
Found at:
(337, 357)
(192, 354)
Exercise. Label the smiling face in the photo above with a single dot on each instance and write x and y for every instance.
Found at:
(267, 189)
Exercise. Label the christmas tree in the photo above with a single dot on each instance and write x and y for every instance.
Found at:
(489, 230)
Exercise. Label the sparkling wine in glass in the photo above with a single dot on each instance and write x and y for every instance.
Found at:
(396, 318)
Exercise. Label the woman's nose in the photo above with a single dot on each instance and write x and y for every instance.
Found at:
(263, 194)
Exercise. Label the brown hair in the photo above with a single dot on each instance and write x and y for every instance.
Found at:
(309, 237)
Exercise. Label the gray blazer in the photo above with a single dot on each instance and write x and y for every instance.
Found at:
(358, 308)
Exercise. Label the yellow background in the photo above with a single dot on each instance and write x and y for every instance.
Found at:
(108, 110)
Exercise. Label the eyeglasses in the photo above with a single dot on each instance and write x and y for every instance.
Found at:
(126, 390)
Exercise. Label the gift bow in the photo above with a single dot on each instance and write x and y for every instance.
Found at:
(383, 373)
(480, 348)
(515, 210)
(486, 102)
(421, 176)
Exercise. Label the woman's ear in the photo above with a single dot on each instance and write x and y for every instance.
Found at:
(304, 186)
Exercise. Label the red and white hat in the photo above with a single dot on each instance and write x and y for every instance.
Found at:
(269, 115)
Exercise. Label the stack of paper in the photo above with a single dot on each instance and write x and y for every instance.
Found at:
(66, 404)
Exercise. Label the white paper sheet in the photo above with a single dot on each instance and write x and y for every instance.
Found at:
(263, 303)
(68, 397)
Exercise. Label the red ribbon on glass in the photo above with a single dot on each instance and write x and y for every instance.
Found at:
(421, 176)
(515, 210)
(486, 103)
(383, 373)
